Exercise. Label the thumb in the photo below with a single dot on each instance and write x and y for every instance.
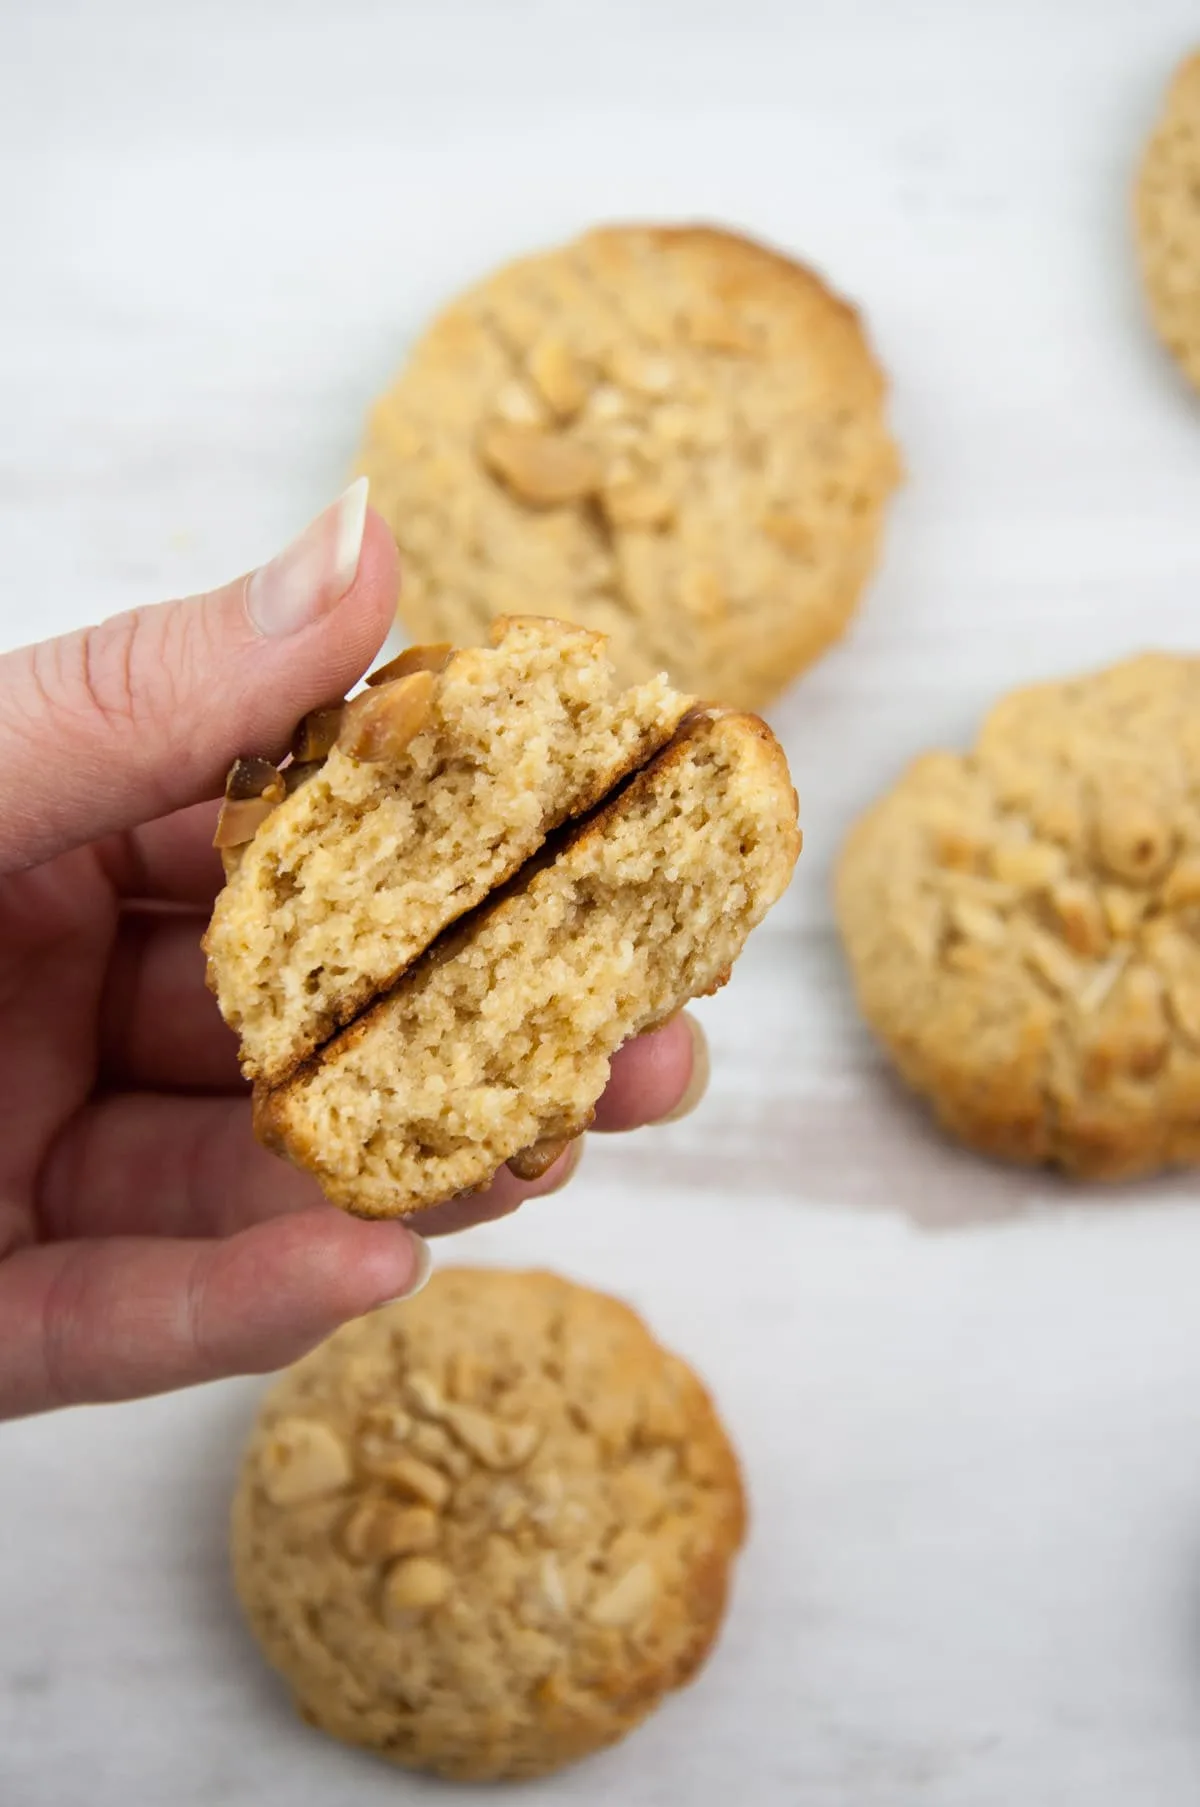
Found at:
(114, 725)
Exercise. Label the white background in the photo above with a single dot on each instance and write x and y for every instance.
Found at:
(968, 1400)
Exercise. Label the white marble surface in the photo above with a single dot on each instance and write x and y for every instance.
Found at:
(968, 1401)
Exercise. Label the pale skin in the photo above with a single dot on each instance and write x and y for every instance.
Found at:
(146, 1241)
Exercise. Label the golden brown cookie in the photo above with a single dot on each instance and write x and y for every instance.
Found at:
(1023, 923)
(485, 1531)
(1167, 218)
(400, 811)
(496, 1044)
(672, 435)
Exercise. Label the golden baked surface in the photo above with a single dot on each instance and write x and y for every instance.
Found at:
(484, 1531)
(500, 1038)
(1023, 923)
(433, 789)
(1167, 218)
(672, 435)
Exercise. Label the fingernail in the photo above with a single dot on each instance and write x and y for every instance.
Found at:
(306, 580)
(422, 1268)
(697, 1085)
(566, 1172)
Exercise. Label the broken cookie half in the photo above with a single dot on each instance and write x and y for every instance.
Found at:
(489, 968)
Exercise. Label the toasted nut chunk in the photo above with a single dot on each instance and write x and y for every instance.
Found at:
(789, 531)
(1050, 958)
(495, 1442)
(433, 658)
(252, 777)
(516, 403)
(1183, 883)
(977, 923)
(1100, 982)
(700, 593)
(645, 372)
(1079, 911)
(379, 724)
(1133, 839)
(303, 1460)
(252, 790)
(532, 1162)
(627, 1599)
(1123, 910)
(558, 376)
(415, 1585)
(543, 469)
(377, 1530)
(637, 505)
(1028, 864)
(316, 733)
(554, 1593)
(411, 1477)
(299, 772)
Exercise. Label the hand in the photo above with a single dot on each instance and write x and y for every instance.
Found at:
(146, 1240)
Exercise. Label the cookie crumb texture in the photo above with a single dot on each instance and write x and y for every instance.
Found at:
(354, 873)
(1167, 219)
(500, 1038)
(676, 434)
(484, 1532)
(1023, 924)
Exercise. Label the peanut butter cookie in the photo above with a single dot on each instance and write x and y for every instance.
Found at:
(495, 1045)
(402, 809)
(1023, 924)
(1167, 218)
(485, 1531)
(671, 435)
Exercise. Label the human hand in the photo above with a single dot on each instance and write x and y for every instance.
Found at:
(146, 1240)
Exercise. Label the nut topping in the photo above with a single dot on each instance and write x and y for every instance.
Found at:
(558, 377)
(378, 724)
(302, 1461)
(532, 1162)
(543, 469)
(433, 658)
(252, 790)
(627, 1599)
(416, 1585)
(378, 1530)
(316, 733)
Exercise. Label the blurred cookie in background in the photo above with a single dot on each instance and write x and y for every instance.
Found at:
(1023, 924)
(670, 434)
(483, 1532)
(1167, 218)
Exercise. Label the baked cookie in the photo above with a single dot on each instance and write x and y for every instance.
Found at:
(485, 1531)
(1167, 219)
(1023, 923)
(674, 435)
(495, 1045)
(400, 811)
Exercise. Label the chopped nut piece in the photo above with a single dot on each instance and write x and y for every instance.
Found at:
(1100, 982)
(1183, 883)
(516, 403)
(408, 1475)
(377, 1530)
(789, 531)
(637, 505)
(316, 733)
(558, 376)
(543, 469)
(433, 658)
(977, 923)
(415, 1585)
(299, 772)
(495, 1442)
(553, 1592)
(379, 724)
(646, 373)
(252, 790)
(532, 1162)
(1029, 864)
(1079, 911)
(1134, 841)
(1051, 960)
(1123, 910)
(303, 1460)
(627, 1599)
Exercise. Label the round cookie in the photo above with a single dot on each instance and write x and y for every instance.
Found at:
(1167, 219)
(672, 435)
(1023, 924)
(484, 1531)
